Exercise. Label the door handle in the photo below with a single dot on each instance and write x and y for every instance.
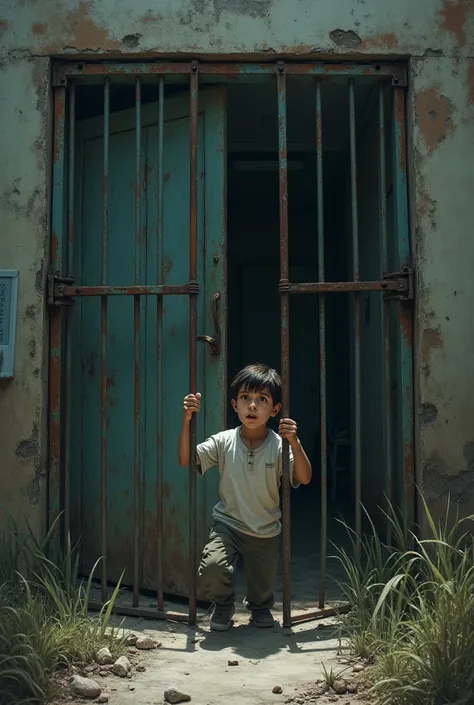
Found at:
(214, 342)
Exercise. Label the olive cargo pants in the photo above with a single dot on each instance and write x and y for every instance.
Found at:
(219, 562)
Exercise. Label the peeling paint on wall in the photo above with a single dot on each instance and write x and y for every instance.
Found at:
(383, 42)
(435, 116)
(454, 15)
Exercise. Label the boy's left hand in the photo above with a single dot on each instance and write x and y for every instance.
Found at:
(288, 429)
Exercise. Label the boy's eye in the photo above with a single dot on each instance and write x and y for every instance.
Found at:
(263, 399)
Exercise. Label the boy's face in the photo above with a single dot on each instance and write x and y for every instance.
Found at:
(254, 408)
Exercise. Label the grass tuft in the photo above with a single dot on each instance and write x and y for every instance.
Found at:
(413, 611)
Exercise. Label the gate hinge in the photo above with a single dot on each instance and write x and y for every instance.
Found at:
(402, 284)
(56, 284)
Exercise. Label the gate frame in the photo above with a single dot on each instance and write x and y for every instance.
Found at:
(61, 290)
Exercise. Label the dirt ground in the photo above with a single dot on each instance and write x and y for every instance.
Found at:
(195, 661)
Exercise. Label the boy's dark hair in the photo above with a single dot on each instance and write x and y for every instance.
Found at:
(255, 378)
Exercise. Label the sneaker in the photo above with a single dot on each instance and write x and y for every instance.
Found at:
(262, 618)
(221, 617)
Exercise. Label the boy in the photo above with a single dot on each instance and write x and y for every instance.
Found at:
(247, 518)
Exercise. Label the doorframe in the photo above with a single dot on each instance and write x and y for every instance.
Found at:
(397, 286)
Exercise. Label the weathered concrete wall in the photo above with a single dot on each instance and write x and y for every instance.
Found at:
(24, 206)
(438, 35)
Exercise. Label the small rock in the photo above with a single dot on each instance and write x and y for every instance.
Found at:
(104, 698)
(232, 663)
(104, 657)
(340, 687)
(103, 673)
(277, 690)
(89, 669)
(84, 687)
(133, 650)
(352, 688)
(174, 696)
(333, 699)
(145, 643)
(358, 668)
(121, 667)
(131, 639)
(141, 668)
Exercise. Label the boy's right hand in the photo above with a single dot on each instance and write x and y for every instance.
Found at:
(191, 405)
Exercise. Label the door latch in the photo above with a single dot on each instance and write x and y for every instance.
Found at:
(214, 342)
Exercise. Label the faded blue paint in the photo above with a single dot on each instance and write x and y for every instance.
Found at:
(175, 339)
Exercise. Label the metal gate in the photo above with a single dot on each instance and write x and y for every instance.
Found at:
(396, 288)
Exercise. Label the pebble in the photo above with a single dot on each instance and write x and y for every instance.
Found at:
(232, 663)
(104, 657)
(131, 639)
(277, 690)
(84, 687)
(104, 698)
(333, 699)
(121, 667)
(145, 643)
(103, 673)
(141, 668)
(340, 687)
(174, 696)
(352, 688)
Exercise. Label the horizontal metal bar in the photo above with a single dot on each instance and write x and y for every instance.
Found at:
(320, 614)
(136, 290)
(400, 285)
(393, 71)
(146, 613)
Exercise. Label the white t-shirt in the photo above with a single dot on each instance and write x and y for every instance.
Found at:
(249, 481)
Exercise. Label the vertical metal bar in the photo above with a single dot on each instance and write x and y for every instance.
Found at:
(285, 334)
(405, 340)
(386, 310)
(69, 312)
(57, 236)
(159, 353)
(136, 337)
(322, 344)
(103, 329)
(193, 188)
(356, 298)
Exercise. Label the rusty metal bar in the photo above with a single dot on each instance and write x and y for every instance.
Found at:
(400, 285)
(136, 340)
(159, 354)
(322, 346)
(69, 266)
(145, 612)
(386, 310)
(103, 351)
(193, 225)
(397, 72)
(69, 291)
(320, 614)
(285, 335)
(56, 329)
(404, 310)
(356, 298)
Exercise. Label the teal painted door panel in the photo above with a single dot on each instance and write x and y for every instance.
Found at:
(86, 360)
